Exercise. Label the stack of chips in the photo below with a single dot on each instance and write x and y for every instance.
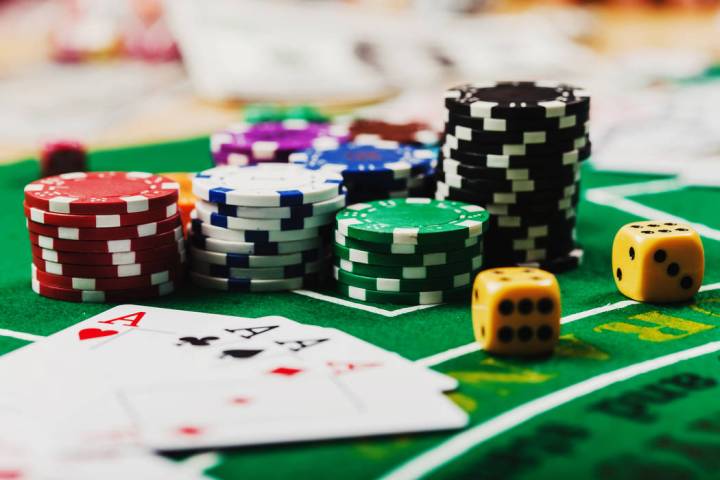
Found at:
(419, 134)
(262, 228)
(409, 251)
(372, 172)
(515, 148)
(248, 144)
(259, 112)
(104, 236)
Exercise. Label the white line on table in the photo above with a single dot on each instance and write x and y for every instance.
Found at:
(457, 445)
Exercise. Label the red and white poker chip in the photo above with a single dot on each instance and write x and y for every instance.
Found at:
(125, 283)
(99, 221)
(108, 246)
(117, 233)
(108, 271)
(168, 252)
(101, 193)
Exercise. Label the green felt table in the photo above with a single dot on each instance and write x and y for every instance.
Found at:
(631, 391)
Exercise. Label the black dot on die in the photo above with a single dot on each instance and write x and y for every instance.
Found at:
(545, 305)
(505, 334)
(673, 269)
(635, 226)
(482, 331)
(545, 332)
(653, 225)
(525, 306)
(662, 230)
(681, 229)
(618, 273)
(660, 256)
(647, 232)
(524, 333)
(669, 224)
(631, 252)
(506, 307)
(686, 282)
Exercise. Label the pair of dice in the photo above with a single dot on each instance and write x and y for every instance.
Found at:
(516, 311)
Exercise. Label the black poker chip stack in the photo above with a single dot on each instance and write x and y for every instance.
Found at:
(515, 148)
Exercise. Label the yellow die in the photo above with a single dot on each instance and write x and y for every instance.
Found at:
(516, 310)
(658, 261)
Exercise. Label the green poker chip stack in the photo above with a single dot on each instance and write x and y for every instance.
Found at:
(412, 251)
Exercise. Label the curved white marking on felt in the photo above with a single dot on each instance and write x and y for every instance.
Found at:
(361, 306)
(459, 444)
(601, 197)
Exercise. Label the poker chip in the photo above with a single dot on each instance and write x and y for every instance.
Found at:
(61, 157)
(108, 246)
(263, 273)
(406, 298)
(372, 172)
(255, 261)
(525, 137)
(169, 252)
(368, 132)
(247, 144)
(104, 236)
(564, 145)
(353, 161)
(407, 260)
(515, 149)
(403, 285)
(101, 193)
(107, 271)
(124, 283)
(262, 228)
(100, 296)
(410, 272)
(99, 221)
(253, 285)
(299, 211)
(266, 185)
(256, 113)
(115, 233)
(412, 221)
(516, 124)
(511, 100)
(450, 166)
(551, 160)
(250, 248)
(253, 236)
(239, 223)
(436, 246)
(404, 249)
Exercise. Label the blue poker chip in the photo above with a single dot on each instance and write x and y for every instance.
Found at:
(363, 161)
(253, 236)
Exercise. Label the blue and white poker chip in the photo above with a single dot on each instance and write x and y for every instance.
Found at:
(256, 261)
(266, 185)
(250, 248)
(264, 273)
(251, 236)
(298, 211)
(238, 223)
(360, 161)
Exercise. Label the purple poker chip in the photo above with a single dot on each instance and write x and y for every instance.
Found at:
(248, 144)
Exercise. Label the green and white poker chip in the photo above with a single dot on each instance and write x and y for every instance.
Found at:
(404, 285)
(421, 260)
(413, 221)
(378, 271)
(403, 249)
(404, 298)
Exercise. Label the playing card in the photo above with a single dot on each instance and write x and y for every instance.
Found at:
(330, 346)
(284, 400)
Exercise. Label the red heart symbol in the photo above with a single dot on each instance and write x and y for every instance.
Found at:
(89, 333)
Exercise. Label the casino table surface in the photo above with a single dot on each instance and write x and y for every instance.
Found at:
(631, 391)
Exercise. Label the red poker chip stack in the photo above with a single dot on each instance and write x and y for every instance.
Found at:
(104, 236)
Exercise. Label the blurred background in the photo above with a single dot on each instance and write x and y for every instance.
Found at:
(120, 72)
